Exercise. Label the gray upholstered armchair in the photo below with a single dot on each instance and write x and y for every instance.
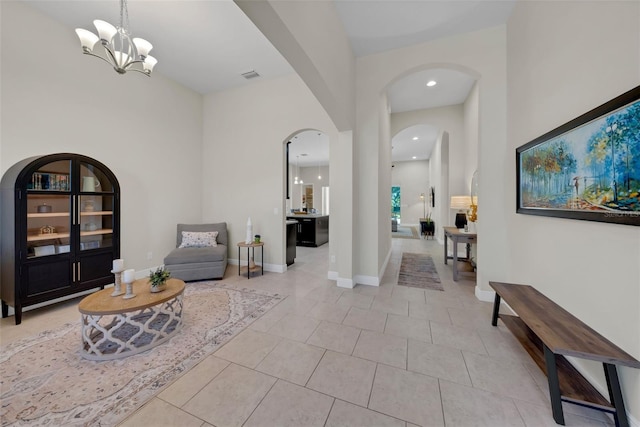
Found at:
(201, 252)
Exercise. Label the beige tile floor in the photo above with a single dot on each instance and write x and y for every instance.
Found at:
(370, 356)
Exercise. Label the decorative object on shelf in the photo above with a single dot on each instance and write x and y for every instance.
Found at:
(158, 279)
(118, 268)
(586, 169)
(252, 264)
(118, 48)
(461, 203)
(49, 181)
(90, 184)
(128, 276)
(88, 204)
(249, 237)
(44, 208)
(47, 229)
(257, 238)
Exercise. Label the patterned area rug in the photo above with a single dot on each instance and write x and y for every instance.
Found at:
(406, 232)
(45, 381)
(419, 271)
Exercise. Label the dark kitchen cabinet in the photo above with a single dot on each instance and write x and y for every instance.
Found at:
(60, 221)
(312, 231)
(292, 241)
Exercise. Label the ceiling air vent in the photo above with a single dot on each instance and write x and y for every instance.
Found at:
(250, 75)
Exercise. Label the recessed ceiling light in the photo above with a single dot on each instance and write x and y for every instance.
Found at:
(414, 157)
(431, 83)
(415, 138)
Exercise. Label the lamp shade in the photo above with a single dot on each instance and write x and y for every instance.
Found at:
(460, 202)
(106, 31)
(142, 46)
(87, 39)
(149, 63)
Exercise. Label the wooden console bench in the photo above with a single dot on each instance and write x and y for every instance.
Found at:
(548, 333)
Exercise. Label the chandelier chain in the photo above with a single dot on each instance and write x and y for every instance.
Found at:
(124, 16)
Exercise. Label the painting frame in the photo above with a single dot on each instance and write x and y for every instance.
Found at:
(574, 171)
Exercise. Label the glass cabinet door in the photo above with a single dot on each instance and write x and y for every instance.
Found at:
(49, 204)
(96, 208)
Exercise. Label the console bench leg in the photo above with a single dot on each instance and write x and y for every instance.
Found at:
(615, 394)
(554, 385)
(496, 309)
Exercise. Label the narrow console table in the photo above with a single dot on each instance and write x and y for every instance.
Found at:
(457, 236)
(548, 333)
(113, 327)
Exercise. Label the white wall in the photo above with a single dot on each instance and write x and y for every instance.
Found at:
(471, 132)
(243, 157)
(413, 179)
(564, 59)
(148, 131)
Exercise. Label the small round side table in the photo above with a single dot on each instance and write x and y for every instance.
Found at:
(251, 246)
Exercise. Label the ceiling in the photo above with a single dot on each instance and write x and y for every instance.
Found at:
(206, 45)
(309, 148)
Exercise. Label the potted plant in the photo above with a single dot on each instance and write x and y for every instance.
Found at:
(158, 279)
(428, 226)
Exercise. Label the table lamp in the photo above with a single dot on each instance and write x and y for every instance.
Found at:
(461, 203)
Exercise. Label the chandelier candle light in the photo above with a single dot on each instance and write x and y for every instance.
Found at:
(119, 50)
(118, 268)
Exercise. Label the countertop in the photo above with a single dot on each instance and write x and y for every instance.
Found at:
(306, 216)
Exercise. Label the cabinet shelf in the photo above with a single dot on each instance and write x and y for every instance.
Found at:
(96, 232)
(48, 215)
(95, 213)
(51, 236)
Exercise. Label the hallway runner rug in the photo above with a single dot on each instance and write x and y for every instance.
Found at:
(405, 232)
(45, 381)
(419, 271)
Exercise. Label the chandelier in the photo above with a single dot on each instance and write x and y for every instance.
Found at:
(118, 48)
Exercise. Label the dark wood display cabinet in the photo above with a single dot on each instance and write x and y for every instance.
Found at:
(60, 229)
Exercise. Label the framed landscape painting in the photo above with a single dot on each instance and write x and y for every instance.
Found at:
(586, 169)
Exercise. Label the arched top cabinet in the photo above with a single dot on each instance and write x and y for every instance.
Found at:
(60, 228)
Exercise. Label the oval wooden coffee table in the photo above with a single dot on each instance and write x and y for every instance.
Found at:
(113, 327)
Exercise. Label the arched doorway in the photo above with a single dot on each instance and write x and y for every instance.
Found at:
(307, 190)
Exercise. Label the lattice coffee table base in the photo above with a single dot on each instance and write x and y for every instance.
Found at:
(112, 336)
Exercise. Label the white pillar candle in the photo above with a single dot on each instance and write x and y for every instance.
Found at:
(118, 264)
(128, 276)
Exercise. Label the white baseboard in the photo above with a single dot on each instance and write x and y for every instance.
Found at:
(367, 280)
(332, 275)
(12, 311)
(486, 296)
(345, 283)
(384, 266)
